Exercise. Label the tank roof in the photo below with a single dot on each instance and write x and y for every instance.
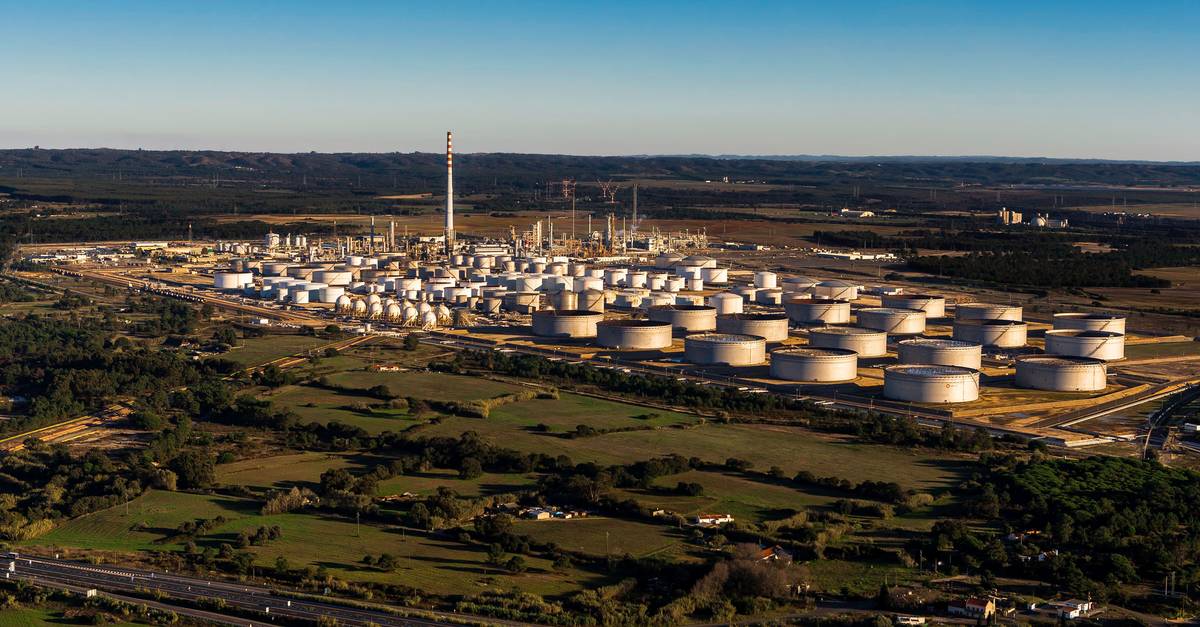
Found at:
(625, 322)
(993, 323)
(837, 283)
(1088, 316)
(723, 338)
(754, 316)
(938, 342)
(1060, 360)
(928, 370)
(846, 331)
(567, 313)
(813, 351)
(898, 311)
(1080, 333)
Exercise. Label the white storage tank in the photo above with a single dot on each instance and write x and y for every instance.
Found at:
(359, 308)
(1090, 322)
(564, 300)
(987, 311)
(724, 349)
(726, 303)
(1104, 345)
(591, 300)
(636, 278)
(490, 305)
(940, 352)
(865, 342)
(656, 299)
(765, 280)
(769, 296)
(633, 334)
(274, 268)
(689, 272)
(666, 261)
(656, 281)
(930, 384)
(333, 277)
(772, 327)
(814, 365)
(700, 260)
(616, 277)
(746, 292)
(1061, 374)
(836, 289)
(232, 280)
(690, 318)
(522, 302)
(893, 321)
(628, 299)
(343, 303)
(934, 306)
(566, 323)
(992, 333)
(798, 284)
(299, 297)
(817, 311)
(719, 276)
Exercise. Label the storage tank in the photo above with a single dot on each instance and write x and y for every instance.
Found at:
(636, 278)
(359, 308)
(986, 311)
(934, 306)
(393, 312)
(766, 279)
(564, 300)
(689, 272)
(797, 284)
(343, 303)
(302, 272)
(893, 321)
(591, 300)
(523, 302)
(814, 365)
(628, 299)
(657, 298)
(725, 349)
(299, 297)
(333, 277)
(656, 281)
(772, 327)
(374, 310)
(633, 334)
(718, 276)
(568, 323)
(865, 342)
(667, 260)
(490, 305)
(589, 283)
(1061, 374)
(818, 311)
(930, 384)
(699, 260)
(835, 289)
(616, 277)
(1090, 322)
(745, 291)
(330, 294)
(769, 296)
(232, 280)
(726, 303)
(940, 352)
(691, 318)
(274, 268)
(673, 284)
(991, 333)
(1104, 345)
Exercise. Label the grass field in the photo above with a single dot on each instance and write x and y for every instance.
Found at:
(595, 535)
(428, 482)
(260, 350)
(283, 471)
(571, 410)
(33, 617)
(314, 404)
(791, 449)
(1166, 349)
(745, 499)
(435, 565)
(426, 385)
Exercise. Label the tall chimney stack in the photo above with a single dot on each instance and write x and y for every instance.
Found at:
(449, 194)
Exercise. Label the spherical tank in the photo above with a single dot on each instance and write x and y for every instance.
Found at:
(818, 310)
(772, 327)
(1061, 374)
(724, 348)
(393, 312)
(726, 303)
(343, 303)
(568, 323)
(987, 311)
(865, 342)
(934, 306)
(814, 365)
(930, 384)
(992, 333)
(893, 321)
(1090, 322)
(633, 334)
(940, 352)
(836, 289)
(1104, 345)
(692, 318)
(360, 307)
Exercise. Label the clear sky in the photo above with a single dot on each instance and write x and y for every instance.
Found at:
(1005, 77)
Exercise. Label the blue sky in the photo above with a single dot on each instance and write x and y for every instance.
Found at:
(1028, 78)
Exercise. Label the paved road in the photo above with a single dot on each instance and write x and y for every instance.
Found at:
(266, 601)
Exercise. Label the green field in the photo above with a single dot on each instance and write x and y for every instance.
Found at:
(314, 404)
(792, 449)
(435, 565)
(745, 499)
(283, 471)
(1162, 349)
(595, 535)
(426, 385)
(260, 350)
(32, 617)
(428, 482)
(571, 410)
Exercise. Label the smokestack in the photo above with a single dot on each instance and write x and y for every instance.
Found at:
(449, 194)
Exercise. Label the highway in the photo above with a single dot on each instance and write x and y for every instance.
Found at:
(237, 596)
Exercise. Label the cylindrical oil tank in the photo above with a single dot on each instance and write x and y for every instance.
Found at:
(797, 284)
(769, 296)
(490, 304)
(818, 310)
(865, 342)
(628, 298)
(564, 300)
(589, 283)
(726, 303)
(689, 272)
(636, 278)
(521, 301)
(656, 299)
(772, 327)
(616, 277)
(986, 311)
(633, 334)
(718, 276)
(665, 261)
(724, 348)
(333, 277)
(940, 352)
(992, 333)
(930, 384)
(747, 292)
(1061, 374)
(656, 281)
(689, 299)
(700, 260)
(1104, 345)
(577, 269)
(557, 269)
(591, 300)
(814, 365)
(934, 306)
(566, 323)
(274, 268)
(1090, 322)
(836, 289)
(765, 279)
(299, 297)
(673, 284)
(232, 280)
(690, 318)
(893, 321)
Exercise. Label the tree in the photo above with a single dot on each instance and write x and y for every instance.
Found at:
(411, 342)
(515, 564)
(281, 565)
(194, 469)
(495, 554)
(471, 469)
